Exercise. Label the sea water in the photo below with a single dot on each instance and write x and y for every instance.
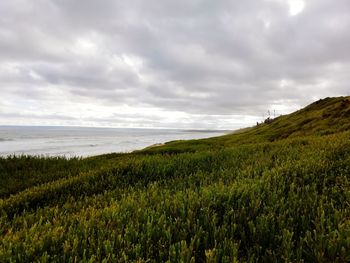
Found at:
(82, 141)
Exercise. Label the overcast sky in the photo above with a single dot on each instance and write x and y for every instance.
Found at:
(178, 64)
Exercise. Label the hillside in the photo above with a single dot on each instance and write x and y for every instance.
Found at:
(325, 116)
(277, 192)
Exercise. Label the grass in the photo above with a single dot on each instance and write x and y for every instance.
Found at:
(278, 192)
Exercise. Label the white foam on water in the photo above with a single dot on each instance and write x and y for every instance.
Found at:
(81, 141)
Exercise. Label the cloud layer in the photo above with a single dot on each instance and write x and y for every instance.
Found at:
(186, 63)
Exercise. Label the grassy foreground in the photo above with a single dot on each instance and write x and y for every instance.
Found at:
(278, 192)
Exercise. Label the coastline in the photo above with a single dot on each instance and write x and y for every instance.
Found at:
(73, 142)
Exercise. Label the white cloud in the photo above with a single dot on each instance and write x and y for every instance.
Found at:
(296, 7)
(187, 64)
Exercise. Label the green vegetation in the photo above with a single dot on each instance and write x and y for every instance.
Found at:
(278, 192)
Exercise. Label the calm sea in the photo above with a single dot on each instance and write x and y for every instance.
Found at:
(78, 141)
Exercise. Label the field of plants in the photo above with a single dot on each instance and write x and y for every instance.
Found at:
(277, 192)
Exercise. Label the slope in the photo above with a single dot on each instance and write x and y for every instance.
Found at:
(276, 192)
(325, 116)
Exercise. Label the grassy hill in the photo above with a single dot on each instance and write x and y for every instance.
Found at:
(277, 192)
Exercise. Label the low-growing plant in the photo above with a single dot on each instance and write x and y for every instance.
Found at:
(278, 192)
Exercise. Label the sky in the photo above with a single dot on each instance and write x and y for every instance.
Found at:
(197, 64)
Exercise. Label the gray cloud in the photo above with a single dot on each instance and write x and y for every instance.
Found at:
(206, 62)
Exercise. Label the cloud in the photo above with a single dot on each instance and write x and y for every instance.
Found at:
(206, 64)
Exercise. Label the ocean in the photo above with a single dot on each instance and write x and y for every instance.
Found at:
(83, 142)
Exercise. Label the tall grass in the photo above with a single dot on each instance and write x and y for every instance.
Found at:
(241, 197)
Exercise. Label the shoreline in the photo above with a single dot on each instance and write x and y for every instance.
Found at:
(84, 143)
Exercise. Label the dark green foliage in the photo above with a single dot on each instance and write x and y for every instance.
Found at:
(279, 192)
